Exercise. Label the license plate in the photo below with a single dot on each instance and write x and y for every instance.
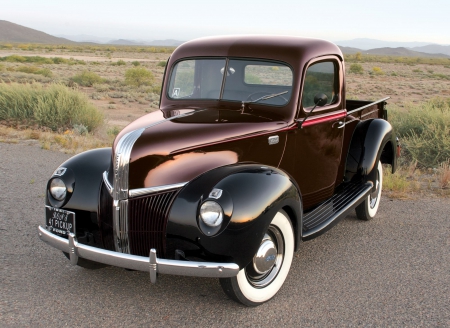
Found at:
(60, 221)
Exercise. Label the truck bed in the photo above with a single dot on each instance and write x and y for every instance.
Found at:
(364, 110)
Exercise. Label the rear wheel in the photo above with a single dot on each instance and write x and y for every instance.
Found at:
(261, 279)
(368, 209)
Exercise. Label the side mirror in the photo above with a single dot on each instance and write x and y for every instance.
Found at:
(320, 99)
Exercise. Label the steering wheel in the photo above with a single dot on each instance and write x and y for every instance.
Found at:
(252, 96)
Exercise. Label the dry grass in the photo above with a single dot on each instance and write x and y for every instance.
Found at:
(403, 182)
(68, 142)
(444, 175)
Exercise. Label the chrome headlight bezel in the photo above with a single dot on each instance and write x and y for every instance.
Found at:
(58, 189)
(211, 213)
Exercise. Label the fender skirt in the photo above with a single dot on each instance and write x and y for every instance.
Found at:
(251, 196)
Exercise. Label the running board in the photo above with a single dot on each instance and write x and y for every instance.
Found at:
(326, 215)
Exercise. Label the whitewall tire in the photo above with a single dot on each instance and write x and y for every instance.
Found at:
(368, 209)
(263, 277)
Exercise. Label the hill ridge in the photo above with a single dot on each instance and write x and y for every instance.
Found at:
(11, 32)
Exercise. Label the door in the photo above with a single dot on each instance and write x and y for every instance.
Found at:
(318, 143)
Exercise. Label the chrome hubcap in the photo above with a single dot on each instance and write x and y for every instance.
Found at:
(268, 259)
(265, 258)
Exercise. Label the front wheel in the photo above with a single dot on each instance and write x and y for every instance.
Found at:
(261, 279)
(367, 209)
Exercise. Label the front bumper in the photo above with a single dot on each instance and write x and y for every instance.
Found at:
(150, 264)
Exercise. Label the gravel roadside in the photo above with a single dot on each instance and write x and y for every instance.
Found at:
(391, 271)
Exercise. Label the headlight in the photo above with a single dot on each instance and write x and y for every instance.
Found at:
(211, 213)
(58, 189)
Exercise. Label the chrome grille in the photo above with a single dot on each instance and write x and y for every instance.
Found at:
(147, 222)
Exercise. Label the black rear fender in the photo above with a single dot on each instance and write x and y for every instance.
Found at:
(251, 197)
(372, 140)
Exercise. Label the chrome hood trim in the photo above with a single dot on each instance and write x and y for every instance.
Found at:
(119, 189)
(146, 191)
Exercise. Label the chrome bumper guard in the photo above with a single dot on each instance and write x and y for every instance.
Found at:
(150, 264)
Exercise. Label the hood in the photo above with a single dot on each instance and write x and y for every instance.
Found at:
(177, 146)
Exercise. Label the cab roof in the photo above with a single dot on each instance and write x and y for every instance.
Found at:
(289, 49)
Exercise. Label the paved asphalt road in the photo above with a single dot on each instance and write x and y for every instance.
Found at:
(391, 271)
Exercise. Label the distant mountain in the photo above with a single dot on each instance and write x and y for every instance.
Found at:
(124, 42)
(433, 49)
(10, 32)
(365, 44)
(350, 50)
(166, 43)
(401, 52)
(83, 38)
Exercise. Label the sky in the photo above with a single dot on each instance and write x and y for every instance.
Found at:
(334, 20)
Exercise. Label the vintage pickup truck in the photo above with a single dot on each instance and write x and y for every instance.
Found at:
(253, 151)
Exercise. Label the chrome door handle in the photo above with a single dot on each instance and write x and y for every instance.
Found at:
(340, 124)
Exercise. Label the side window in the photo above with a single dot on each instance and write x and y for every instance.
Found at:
(320, 78)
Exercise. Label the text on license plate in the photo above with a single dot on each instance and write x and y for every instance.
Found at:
(59, 221)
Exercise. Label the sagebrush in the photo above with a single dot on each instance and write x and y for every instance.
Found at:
(56, 107)
(424, 131)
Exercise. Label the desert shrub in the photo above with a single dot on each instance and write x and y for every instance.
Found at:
(87, 79)
(157, 89)
(135, 63)
(56, 107)
(27, 69)
(424, 131)
(14, 59)
(356, 69)
(80, 129)
(45, 72)
(377, 71)
(120, 62)
(417, 70)
(442, 76)
(41, 60)
(365, 58)
(2, 67)
(138, 76)
(162, 63)
(34, 70)
(113, 131)
(101, 87)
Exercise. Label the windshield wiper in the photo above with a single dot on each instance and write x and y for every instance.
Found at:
(273, 95)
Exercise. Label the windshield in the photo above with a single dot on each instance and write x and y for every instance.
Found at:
(242, 80)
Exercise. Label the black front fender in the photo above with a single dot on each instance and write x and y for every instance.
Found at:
(252, 195)
(84, 175)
